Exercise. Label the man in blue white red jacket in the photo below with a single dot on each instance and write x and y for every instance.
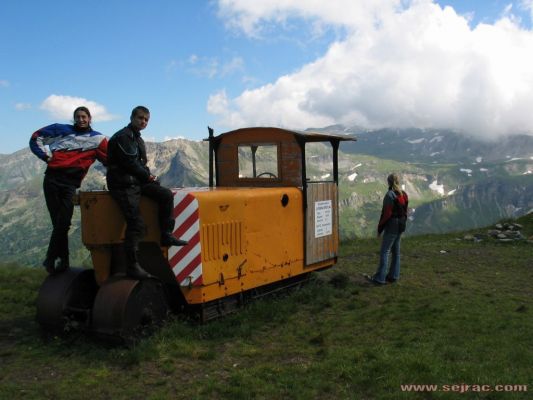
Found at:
(73, 148)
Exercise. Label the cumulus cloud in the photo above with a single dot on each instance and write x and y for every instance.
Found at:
(399, 64)
(254, 17)
(218, 103)
(4, 83)
(62, 107)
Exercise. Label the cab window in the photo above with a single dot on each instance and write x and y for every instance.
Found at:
(258, 161)
(319, 162)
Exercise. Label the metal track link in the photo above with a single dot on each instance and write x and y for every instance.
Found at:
(227, 305)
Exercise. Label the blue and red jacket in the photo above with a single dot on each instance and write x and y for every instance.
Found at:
(389, 210)
(73, 151)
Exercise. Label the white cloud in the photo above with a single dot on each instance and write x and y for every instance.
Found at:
(202, 66)
(4, 83)
(212, 67)
(527, 5)
(253, 17)
(167, 138)
(62, 107)
(236, 64)
(22, 106)
(217, 103)
(401, 63)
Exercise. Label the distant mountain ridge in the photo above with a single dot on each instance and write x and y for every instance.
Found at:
(479, 182)
(178, 161)
(433, 145)
(453, 182)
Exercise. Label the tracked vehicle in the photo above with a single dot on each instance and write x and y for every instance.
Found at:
(263, 224)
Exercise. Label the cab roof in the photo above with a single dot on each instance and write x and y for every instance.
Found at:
(301, 136)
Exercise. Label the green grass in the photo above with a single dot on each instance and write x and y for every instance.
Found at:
(461, 314)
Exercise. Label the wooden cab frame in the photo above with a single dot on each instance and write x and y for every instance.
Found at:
(288, 169)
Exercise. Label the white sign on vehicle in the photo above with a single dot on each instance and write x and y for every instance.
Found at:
(323, 218)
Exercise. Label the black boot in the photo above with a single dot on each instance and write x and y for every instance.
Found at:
(168, 240)
(62, 265)
(135, 271)
(49, 265)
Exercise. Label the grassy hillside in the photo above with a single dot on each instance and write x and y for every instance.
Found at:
(461, 314)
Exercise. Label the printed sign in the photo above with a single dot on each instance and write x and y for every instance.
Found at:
(323, 218)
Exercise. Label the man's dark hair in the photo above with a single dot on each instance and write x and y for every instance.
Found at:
(81, 108)
(137, 109)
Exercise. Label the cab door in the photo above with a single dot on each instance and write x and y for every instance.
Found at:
(322, 222)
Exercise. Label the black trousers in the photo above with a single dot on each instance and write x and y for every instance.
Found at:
(59, 202)
(128, 200)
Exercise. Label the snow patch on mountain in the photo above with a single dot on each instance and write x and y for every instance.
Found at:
(436, 187)
(416, 141)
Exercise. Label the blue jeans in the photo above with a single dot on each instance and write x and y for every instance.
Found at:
(389, 244)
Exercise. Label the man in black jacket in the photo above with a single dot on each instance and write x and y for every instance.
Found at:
(128, 177)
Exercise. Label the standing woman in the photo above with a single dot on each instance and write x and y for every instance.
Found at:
(392, 223)
(73, 149)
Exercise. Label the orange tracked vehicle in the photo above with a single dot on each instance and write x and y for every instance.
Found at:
(265, 225)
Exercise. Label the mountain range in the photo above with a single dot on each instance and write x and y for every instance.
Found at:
(454, 183)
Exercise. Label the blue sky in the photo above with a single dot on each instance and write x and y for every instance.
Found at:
(291, 63)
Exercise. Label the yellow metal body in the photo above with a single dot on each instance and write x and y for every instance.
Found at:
(103, 225)
(249, 237)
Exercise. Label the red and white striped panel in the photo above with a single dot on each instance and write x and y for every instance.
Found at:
(186, 261)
